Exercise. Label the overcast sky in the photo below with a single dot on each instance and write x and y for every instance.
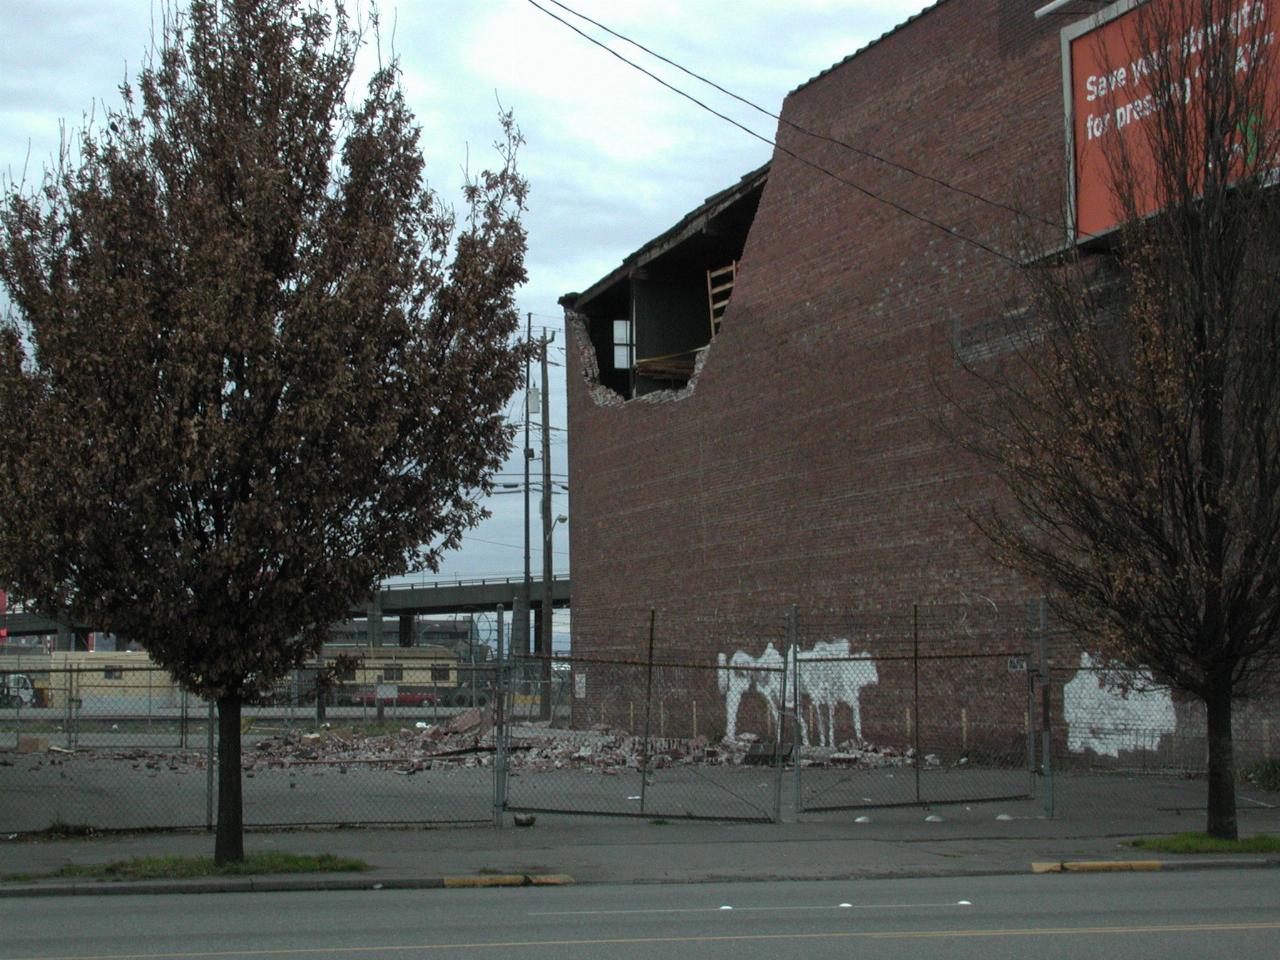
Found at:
(612, 157)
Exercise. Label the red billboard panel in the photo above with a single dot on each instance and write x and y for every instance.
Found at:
(1131, 61)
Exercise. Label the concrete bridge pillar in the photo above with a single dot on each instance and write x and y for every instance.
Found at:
(373, 622)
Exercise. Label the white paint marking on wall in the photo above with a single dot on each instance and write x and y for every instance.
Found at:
(838, 679)
(828, 684)
(740, 674)
(1107, 721)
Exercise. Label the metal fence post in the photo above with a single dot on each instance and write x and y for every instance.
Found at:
(915, 703)
(73, 704)
(648, 699)
(778, 740)
(499, 728)
(1031, 729)
(793, 654)
(1046, 717)
(17, 722)
(208, 777)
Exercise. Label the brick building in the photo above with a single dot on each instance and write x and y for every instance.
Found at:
(799, 463)
(731, 459)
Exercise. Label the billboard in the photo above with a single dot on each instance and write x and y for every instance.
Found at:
(1124, 65)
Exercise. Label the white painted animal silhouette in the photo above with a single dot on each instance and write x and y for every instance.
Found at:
(829, 674)
(740, 674)
(1107, 721)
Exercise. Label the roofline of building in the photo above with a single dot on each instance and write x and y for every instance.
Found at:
(717, 202)
(688, 225)
(863, 49)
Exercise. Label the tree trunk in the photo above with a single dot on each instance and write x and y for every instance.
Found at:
(228, 844)
(1222, 773)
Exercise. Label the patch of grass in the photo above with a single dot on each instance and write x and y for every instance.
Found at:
(660, 822)
(181, 868)
(1203, 843)
(1262, 773)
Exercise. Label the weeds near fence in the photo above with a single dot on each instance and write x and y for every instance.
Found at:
(1264, 774)
(58, 830)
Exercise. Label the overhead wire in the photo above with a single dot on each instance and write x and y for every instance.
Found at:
(861, 151)
(509, 546)
(871, 194)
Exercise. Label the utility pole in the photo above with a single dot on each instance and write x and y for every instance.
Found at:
(547, 525)
(520, 625)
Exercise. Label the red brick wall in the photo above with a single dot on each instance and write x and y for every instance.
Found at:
(804, 465)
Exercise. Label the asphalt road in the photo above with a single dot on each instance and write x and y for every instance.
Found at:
(1193, 914)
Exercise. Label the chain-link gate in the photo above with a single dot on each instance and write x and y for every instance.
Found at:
(623, 738)
(911, 730)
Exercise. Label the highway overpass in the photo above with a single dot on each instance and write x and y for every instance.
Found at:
(402, 600)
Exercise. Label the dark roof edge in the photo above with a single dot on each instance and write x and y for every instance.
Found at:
(863, 49)
(684, 228)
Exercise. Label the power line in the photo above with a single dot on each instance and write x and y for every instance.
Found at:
(871, 194)
(801, 129)
(510, 546)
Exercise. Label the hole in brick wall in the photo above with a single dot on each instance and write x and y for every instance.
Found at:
(649, 322)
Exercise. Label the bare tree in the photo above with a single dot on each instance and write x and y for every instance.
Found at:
(1136, 428)
(254, 365)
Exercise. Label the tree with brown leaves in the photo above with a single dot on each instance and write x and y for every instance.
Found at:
(1137, 426)
(253, 364)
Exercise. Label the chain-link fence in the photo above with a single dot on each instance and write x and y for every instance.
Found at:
(694, 715)
(974, 744)
(112, 746)
(1120, 737)
(123, 747)
(923, 705)
(634, 743)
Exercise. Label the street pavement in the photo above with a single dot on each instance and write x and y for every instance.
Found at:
(1113, 915)
(942, 841)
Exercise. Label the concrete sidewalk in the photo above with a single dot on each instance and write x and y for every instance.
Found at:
(903, 842)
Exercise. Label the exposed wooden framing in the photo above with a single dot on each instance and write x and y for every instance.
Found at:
(719, 289)
(672, 366)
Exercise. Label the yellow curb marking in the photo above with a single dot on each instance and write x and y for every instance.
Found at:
(550, 879)
(492, 880)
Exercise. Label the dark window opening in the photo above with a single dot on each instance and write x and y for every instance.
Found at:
(651, 320)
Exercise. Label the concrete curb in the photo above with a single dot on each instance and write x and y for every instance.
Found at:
(280, 885)
(1147, 866)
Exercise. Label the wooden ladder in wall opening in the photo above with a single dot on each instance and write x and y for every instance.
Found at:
(719, 290)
